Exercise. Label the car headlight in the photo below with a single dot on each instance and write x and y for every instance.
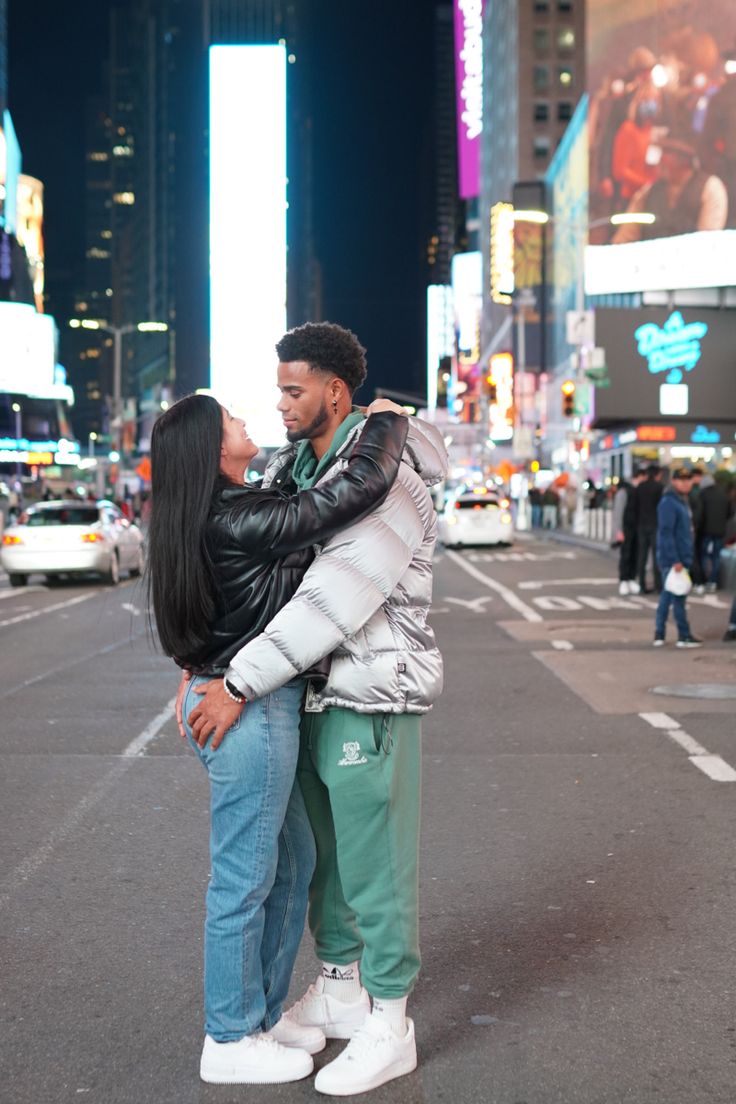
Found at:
(505, 519)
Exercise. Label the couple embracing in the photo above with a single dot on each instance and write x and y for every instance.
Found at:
(297, 608)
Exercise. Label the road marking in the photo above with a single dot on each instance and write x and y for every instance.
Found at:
(557, 603)
(659, 720)
(33, 862)
(138, 746)
(537, 584)
(692, 747)
(562, 645)
(46, 609)
(18, 592)
(713, 766)
(474, 604)
(508, 595)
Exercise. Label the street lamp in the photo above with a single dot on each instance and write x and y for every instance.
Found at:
(17, 410)
(118, 333)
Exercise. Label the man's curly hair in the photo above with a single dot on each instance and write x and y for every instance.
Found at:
(326, 347)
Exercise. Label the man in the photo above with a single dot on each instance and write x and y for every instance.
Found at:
(365, 600)
(684, 199)
(646, 500)
(623, 524)
(675, 547)
(714, 512)
(694, 503)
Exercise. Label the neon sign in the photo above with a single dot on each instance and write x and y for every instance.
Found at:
(704, 436)
(673, 348)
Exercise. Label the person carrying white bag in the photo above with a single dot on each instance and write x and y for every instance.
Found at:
(675, 551)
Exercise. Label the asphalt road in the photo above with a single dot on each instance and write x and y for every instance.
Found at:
(578, 884)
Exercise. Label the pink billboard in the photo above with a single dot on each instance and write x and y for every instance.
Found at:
(469, 92)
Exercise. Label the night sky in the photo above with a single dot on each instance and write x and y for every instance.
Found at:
(370, 83)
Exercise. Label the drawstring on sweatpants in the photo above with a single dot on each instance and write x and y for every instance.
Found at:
(387, 740)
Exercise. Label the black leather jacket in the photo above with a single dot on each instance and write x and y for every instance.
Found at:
(260, 541)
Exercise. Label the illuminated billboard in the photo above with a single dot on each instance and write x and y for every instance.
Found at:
(30, 231)
(440, 335)
(662, 82)
(469, 93)
(665, 364)
(247, 127)
(27, 350)
(467, 299)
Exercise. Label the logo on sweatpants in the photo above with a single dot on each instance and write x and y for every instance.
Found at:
(351, 755)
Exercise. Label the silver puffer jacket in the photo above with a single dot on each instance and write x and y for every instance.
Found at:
(365, 599)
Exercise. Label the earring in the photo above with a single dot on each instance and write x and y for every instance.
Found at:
(334, 406)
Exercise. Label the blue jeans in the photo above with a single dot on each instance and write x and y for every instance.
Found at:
(262, 857)
(677, 601)
(711, 547)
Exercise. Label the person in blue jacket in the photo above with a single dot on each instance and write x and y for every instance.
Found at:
(675, 549)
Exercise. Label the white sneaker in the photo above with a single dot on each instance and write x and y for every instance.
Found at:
(290, 1033)
(699, 590)
(374, 1055)
(623, 587)
(253, 1060)
(634, 587)
(336, 1019)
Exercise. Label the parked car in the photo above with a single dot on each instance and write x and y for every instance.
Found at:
(477, 516)
(70, 537)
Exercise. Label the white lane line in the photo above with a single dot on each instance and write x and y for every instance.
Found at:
(138, 746)
(508, 596)
(46, 609)
(19, 592)
(692, 747)
(713, 766)
(537, 584)
(41, 855)
(562, 645)
(659, 720)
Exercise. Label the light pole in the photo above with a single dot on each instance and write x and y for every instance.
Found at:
(17, 410)
(582, 229)
(117, 370)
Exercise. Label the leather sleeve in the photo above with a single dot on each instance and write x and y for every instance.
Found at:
(269, 524)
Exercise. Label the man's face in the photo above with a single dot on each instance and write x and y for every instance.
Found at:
(675, 167)
(304, 404)
(682, 486)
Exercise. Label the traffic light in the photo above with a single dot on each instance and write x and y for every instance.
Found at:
(492, 391)
(568, 398)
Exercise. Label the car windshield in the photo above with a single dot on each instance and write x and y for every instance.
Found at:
(65, 515)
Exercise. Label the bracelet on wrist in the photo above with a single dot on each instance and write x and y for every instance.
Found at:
(233, 693)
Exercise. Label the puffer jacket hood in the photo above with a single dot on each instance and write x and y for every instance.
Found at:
(365, 599)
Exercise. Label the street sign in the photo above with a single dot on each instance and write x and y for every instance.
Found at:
(580, 327)
(523, 443)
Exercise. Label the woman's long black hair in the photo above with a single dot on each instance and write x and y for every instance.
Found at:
(185, 469)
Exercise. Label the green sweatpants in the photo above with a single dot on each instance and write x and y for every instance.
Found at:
(360, 774)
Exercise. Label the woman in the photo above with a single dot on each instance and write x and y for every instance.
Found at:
(214, 584)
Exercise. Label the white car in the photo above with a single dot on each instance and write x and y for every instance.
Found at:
(478, 516)
(72, 538)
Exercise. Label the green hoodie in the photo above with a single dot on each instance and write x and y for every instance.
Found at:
(307, 469)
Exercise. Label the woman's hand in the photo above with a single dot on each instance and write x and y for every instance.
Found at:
(215, 713)
(381, 406)
(183, 683)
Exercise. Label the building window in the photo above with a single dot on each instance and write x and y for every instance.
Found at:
(564, 6)
(541, 78)
(566, 39)
(541, 7)
(564, 75)
(126, 199)
(564, 111)
(541, 147)
(541, 112)
(541, 40)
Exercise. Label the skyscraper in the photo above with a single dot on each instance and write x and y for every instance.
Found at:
(533, 76)
(3, 56)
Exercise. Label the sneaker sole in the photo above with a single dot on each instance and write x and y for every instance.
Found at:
(396, 1069)
(680, 644)
(232, 1077)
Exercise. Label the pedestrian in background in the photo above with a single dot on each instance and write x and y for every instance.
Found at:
(624, 529)
(550, 504)
(535, 501)
(714, 511)
(694, 500)
(646, 501)
(730, 633)
(675, 549)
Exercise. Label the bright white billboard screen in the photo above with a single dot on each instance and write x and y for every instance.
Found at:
(248, 231)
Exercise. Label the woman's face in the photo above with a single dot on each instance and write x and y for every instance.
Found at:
(237, 448)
